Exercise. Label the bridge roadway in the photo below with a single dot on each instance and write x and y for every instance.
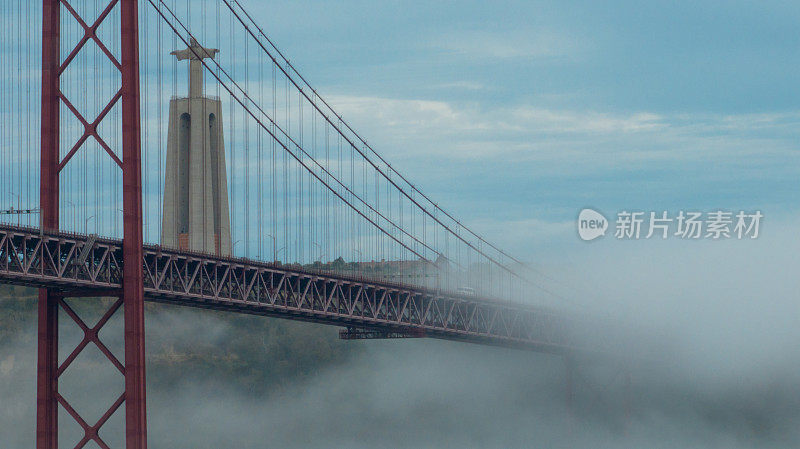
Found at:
(84, 265)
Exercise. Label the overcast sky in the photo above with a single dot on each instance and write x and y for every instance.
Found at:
(518, 114)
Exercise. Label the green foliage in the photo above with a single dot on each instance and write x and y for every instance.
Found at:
(17, 312)
(257, 354)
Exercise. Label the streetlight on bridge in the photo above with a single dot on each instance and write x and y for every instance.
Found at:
(274, 247)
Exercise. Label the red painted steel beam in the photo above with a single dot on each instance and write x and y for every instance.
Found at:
(47, 372)
(133, 241)
(51, 42)
(47, 353)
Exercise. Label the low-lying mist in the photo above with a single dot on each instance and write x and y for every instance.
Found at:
(727, 372)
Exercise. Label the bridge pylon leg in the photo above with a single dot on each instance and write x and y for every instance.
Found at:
(47, 372)
(47, 369)
(132, 295)
(133, 239)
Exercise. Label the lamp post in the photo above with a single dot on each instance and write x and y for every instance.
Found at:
(320, 250)
(278, 252)
(19, 205)
(358, 262)
(86, 225)
(233, 247)
(145, 225)
(74, 217)
(274, 247)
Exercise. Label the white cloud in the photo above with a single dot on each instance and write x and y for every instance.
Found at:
(465, 85)
(447, 117)
(410, 128)
(518, 44)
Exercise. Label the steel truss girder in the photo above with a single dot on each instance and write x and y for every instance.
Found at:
(45, 260)
(237, 285)
(48, 258)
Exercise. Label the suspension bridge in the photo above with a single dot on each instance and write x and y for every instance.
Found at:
(168, 151)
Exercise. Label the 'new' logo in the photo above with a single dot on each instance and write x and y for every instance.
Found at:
(591, 224)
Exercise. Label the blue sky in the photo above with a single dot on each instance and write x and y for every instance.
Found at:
(516, 115)
(525, 112)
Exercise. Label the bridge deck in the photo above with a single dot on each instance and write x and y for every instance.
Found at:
(75, 263)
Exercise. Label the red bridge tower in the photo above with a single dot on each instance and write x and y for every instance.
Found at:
(131, 296)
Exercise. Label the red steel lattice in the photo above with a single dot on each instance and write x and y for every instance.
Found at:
(132, 293)
(90, 335)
